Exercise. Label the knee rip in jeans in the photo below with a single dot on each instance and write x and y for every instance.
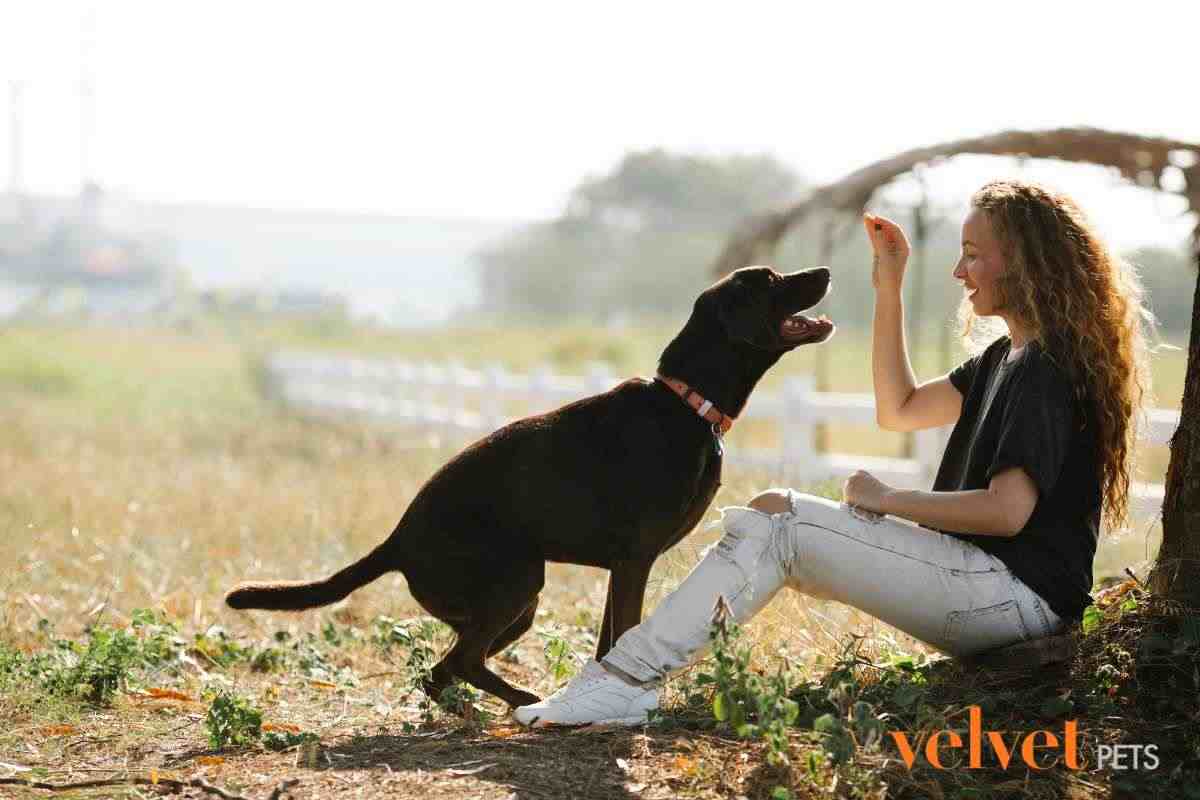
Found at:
(728, 546)
(862, 514)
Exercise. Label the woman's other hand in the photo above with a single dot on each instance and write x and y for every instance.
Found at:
(891, 250)
(864, 490)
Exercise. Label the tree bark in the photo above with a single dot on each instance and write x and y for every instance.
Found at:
(1176, 572)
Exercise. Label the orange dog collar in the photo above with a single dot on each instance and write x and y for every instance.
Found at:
(721, 421)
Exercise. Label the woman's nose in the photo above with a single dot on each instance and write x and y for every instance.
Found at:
(959, 272)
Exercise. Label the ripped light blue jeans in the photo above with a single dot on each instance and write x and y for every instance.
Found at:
(939, 589)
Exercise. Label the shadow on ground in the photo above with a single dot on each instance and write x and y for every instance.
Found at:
(531, 764)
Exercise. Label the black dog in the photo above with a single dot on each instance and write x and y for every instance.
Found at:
(610, 481)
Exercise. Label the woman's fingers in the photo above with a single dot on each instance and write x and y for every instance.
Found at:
(878, 228)
(884, 233)
(890, 250)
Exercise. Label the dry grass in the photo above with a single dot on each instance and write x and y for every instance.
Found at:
(143, 471)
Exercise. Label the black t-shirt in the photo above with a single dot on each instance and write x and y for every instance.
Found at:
(1034, 421)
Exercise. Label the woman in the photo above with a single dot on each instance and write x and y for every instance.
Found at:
(1000, 551)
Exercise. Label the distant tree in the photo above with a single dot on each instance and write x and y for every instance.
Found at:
(1168, 277)
(634, 240)
(655, 190)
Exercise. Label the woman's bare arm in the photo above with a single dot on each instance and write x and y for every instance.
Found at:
(1002, 509)
(900, 404)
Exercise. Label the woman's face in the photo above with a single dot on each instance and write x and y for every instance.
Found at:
(980, 264)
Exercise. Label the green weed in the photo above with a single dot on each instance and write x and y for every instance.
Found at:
(232, 720)
(94, 669)
(560, 656)
(273, 740)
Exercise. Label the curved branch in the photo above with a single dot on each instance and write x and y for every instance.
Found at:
(1140, 159)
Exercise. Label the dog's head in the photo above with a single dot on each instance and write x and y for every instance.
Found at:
(740, 326)
(759, 307)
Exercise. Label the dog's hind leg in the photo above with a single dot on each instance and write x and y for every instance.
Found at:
(623, 608)
(498, 613)
(515, 631)
(440, 678)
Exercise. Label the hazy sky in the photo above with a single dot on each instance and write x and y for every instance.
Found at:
(498, 109)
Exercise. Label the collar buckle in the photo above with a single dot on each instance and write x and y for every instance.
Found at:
(704, 408)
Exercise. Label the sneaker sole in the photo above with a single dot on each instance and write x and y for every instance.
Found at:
(540, 723)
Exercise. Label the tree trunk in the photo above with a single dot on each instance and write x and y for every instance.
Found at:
(1176, 572)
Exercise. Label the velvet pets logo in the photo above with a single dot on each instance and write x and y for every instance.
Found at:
(1038, 749)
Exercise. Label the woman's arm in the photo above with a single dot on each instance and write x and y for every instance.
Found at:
(891, 372)
(900, 404)
(1002, 509)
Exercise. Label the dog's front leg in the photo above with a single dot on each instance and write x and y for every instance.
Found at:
(623, 606)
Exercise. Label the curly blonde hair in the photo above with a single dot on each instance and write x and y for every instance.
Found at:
(1085, 306)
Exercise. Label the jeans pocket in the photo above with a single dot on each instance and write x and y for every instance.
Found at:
(1044, 621)
(976, 629)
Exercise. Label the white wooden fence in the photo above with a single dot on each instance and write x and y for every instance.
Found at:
(457, 401)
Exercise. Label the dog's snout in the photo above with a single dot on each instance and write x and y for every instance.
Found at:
(805, 288)
(818, 273)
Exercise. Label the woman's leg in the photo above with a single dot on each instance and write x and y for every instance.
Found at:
(744, 567)
(937, 588)
(741, 567)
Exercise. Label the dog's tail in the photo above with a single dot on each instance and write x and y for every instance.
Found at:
(298, 595)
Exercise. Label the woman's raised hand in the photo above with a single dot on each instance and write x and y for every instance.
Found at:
(890, 246)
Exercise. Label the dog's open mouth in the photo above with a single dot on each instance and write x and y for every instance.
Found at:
(799, 329)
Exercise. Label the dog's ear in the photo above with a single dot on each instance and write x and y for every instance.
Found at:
(742, 310)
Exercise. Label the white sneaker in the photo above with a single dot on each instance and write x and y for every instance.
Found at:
(595, 695)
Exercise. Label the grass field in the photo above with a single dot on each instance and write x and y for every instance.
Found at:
(144, 471)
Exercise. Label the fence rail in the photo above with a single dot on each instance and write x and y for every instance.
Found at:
(455, 399)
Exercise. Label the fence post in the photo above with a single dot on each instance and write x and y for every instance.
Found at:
(929, 446)
(540, 384)
(797, 454)
(456, 388)
(425, 390)
(598, 379)
(491, 405)
(404, 409)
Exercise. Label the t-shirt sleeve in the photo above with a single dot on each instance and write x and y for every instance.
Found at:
(1036, 427)
(963, 375)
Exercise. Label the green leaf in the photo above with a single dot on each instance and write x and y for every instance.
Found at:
(737, 715)
(720, 710)
(906, 694)
(1091, 618)
(1056, 707)
(746, 731)
(827, 723)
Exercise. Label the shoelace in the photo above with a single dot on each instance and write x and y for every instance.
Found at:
(575, 685)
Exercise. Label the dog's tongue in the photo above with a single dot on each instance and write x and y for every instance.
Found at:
(798, 326)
